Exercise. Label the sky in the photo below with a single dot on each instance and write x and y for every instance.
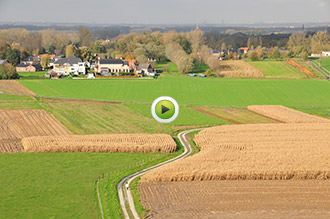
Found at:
(165, 11)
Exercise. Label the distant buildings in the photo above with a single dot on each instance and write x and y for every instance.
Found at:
(65, 66)
(243, 50)
(145, 69)
(31, 60)
(28, 67)
(109, 66)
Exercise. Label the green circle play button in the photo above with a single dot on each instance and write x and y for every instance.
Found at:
(165, 109)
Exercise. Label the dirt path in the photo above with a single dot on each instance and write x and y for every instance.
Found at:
(125, 195)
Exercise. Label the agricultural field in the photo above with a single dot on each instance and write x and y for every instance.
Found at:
(236, 199)
(192, 91)
(277, 69)
(286, 115)
(234, 115)
(326, 63)
(63, 185)
(239, 69)
(115, 143)
(11, 86)
(321, 112)
(310, 67)
(17, 124)
(265, 152)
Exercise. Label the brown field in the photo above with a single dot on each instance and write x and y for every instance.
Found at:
(286, 115)
(11, 86)
(124, 143)
(235, 115)
(254, 152)
(239, 69)
(17, 124)
(237, 199)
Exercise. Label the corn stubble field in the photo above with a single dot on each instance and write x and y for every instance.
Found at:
(114, 143)
(278, 170)
(17, 124)
(239, 69)
(286, 115)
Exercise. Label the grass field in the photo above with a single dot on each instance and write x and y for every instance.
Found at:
(60, 185)
(322, 112)
(192, 91)
(39, 74)
(277, 69)
(326, 63)
(172, 70)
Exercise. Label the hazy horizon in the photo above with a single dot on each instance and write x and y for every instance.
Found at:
(172, 12)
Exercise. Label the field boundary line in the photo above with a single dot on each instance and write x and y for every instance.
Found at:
(99, 197)
(122, 192)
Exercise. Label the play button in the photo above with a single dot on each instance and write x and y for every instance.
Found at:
(165, 109)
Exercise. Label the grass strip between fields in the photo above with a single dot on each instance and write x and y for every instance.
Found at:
(108, 185)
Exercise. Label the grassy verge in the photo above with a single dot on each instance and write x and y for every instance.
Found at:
(62, 185)
(108, 186)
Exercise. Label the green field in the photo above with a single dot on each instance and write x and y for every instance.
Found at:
(38, 74)
(191, 91)
(62, 185)
(172, 70)
(277, 69)
(326, 63)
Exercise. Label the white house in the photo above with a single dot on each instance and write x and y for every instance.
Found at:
(326, 54)
(145, 69)
(65, 66)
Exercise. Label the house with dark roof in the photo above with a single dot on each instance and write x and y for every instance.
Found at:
(65, 66)
(28, 68)
(108, 66)
(145, 69)
(31, 60)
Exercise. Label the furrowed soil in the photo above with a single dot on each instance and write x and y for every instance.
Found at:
(11, 86)
(237, 199)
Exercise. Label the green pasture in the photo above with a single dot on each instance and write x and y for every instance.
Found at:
(191, 91)
(63, 185)
(277, 69)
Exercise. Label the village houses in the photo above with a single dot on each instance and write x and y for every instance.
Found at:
(65, 66)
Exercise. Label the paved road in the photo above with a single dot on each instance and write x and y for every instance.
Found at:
(125, 196)
(318, 68)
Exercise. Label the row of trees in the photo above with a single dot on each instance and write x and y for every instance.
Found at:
(179, 57)
(306, 42)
